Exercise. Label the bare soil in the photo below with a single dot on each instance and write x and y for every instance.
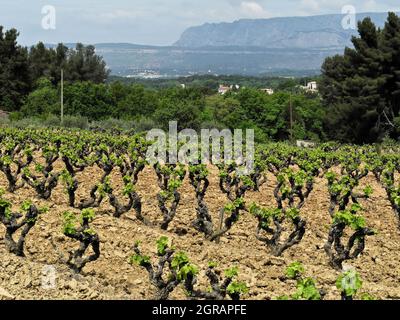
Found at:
(112, 277)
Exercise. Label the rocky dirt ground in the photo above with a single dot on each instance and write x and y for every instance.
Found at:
(112, 277)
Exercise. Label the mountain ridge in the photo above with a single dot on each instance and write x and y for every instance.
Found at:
(319, 31)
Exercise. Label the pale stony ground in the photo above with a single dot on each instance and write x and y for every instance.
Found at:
(112, 277)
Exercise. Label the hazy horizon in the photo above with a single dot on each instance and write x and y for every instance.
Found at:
(154, 22)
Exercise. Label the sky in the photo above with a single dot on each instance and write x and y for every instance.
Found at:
(152, 22)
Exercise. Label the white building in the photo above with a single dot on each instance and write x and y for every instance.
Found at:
(312, 86)
(268, 91)
(224, 89)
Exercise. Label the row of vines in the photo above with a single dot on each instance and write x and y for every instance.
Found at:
(28, 158)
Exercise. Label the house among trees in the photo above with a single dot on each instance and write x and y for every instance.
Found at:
(268, 91)
(311, 87)
(224, 89)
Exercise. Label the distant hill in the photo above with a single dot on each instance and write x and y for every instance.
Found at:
(153, 62)
(324, 31)
(294, 46)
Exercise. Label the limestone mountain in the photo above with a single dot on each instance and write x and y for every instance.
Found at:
(323, 31)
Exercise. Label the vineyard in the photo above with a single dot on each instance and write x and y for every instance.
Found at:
(318, 223)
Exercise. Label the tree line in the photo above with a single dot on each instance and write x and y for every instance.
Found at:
(268, 115)
(212, 82)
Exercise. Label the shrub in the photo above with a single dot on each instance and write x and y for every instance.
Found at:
(306, 287)
(349, 283)
(77, 122)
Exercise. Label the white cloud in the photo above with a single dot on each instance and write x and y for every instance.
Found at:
(311, 5)
(253, 9)
(119, 14)
(370, 5)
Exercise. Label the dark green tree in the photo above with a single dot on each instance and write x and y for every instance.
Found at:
(135, 101)
(60, 57)
(14, 71)
(89, 99)
(361, 87)
(84, 65)
(182, 105)
(41, 61)
(79, 64)
(43, 101)
(391, 56)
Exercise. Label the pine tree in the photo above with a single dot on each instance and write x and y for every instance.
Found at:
(84, 65)
(365, 88)
(40, 61)
(360, 86)
(14, 71)
(391, 54)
